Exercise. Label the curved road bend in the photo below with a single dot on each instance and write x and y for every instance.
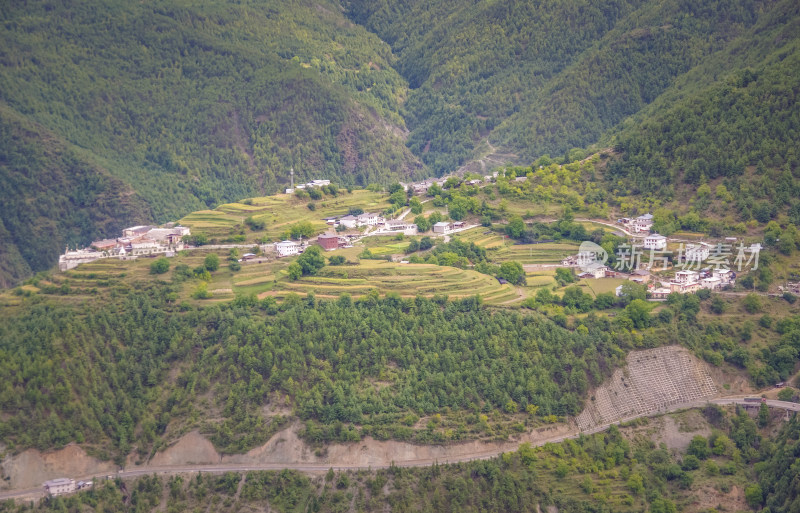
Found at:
(31, 493)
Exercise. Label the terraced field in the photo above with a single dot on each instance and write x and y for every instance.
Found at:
(408, 280)
(500, 249)
(279, 212)
(482, 237)
(538, 279)
(547, 253)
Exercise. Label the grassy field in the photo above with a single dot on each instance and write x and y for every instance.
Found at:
(279, 212)
(601, 286)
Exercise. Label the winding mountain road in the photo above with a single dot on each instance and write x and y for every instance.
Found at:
(33, 493)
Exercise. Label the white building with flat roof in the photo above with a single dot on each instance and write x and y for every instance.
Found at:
(655, 241)
(725, 275)
(287, 248)
(147, 247)
(711, 283)
(59, 486)
(442, 227)
(400, 226)
(72, 259)
(369, 219)
(686, 276)
(318, 183)
(641, 224)
(697, 252)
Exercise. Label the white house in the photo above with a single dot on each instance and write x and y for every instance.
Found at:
(318, 183)
(369, 219)
(641, 224)
(348, 221)
(660, 293)
(697, 252)
(72, 259)
(725, 275)
(594, 272)
(287, 248)
(442, 227)
(684, 288)
(59, 486)
(711, 283)
(655, 241)
(398, 226)
(686, 276)
(146, 247)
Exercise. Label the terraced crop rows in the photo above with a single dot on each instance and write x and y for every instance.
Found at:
(280, 212)
(408, 280)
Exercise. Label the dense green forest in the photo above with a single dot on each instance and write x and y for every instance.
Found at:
(620, 470)
(52, 197)
(738, 132)
(96, 373)
(370, 368)
(539, 78)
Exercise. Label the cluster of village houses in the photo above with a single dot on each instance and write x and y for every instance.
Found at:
(332, 241)
(692, 255)
(423, 186)
(136, 241)
(139, 241)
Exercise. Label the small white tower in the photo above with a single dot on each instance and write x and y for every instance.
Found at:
(290, 190)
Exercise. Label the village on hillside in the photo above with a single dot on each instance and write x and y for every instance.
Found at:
(135, 242)
(702, 265)
(696, 265)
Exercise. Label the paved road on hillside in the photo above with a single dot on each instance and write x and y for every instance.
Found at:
(323, 467)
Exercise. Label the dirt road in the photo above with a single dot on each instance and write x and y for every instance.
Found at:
(32, 493)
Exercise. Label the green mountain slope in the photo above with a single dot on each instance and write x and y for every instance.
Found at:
(474, 64)
(191, 105)
(51, 197)
(739, 130)
(543, 78)
(627, 70)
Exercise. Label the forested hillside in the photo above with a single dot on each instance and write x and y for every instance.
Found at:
(133, 367)
(52, 196)
(739, 131)
(349, 370)
(543, 78)
(187, 105)
(472, 65)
